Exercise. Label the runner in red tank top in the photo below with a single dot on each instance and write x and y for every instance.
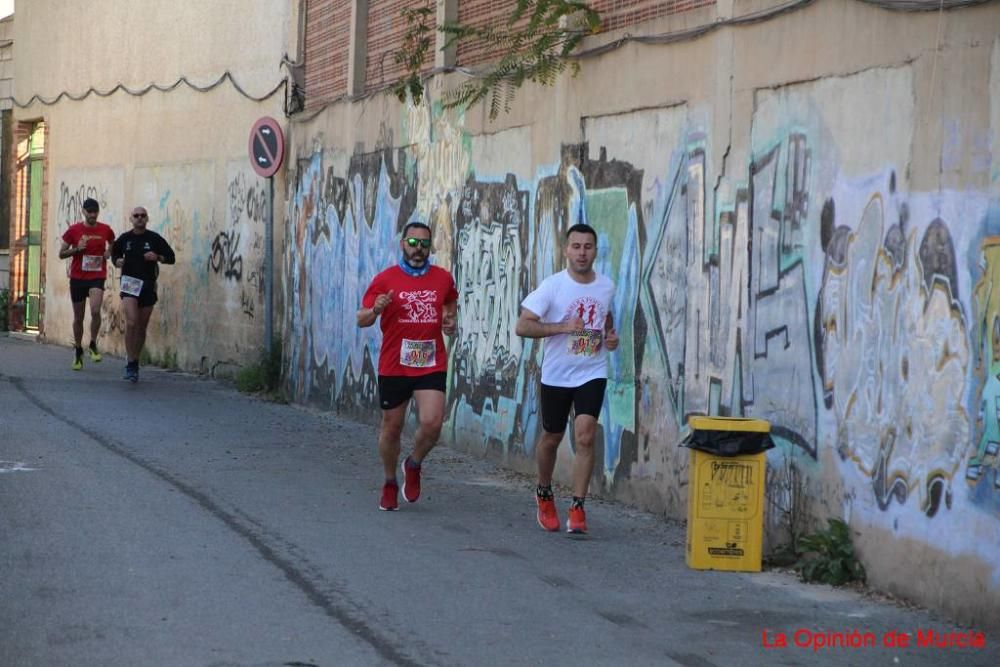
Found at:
(416, 305)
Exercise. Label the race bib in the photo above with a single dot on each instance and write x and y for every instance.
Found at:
(586, 342)
(93, 262)
(418, 353)
(131, 286)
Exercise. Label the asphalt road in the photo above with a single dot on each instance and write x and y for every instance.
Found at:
(178, 522)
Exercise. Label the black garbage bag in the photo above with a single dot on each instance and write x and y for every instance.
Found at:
(728, 436)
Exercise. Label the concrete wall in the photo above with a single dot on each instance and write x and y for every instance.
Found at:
(181, 153)
(802, 217)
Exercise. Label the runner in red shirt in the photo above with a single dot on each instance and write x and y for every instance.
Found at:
(417, 303)
(88, 244)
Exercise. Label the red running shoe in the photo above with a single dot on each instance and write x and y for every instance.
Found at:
(390, 501)
(548, 516)
(411, 482)
(577, 521)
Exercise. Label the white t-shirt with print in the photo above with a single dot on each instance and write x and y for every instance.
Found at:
(571, 360)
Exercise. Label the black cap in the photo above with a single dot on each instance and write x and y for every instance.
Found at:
(90, 205)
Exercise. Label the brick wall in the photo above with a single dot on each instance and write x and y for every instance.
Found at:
(617, 14)
(386, 27)
(480, 13)
(327, 37)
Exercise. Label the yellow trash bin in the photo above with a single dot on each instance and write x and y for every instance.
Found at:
(726, 492)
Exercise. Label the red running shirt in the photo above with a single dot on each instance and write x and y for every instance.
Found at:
(90, 265)
(412, 344)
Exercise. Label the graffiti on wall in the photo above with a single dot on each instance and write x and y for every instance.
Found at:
(246, 209)
(893, 348)
(490, 274)
(71, 198)
(235, 256)
(664, 282)
(226, 258)
(174, 220)
(779, 382)
(982, 471)
(727, 323)
(985, 460)
(342, 229)
(187, 327)
(716, 311)
(501, 250)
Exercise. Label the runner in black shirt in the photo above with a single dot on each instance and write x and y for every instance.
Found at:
(138, 253)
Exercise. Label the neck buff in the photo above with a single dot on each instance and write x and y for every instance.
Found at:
(410, 271)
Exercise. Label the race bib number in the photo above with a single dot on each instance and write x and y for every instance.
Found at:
(93, 262)
(131, 286)
(418, 353)
(586, 342)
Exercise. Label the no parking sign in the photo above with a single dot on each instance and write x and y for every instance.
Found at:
(267, 147)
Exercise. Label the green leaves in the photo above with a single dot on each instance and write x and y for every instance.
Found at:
(827, 556)
(537, 50)
(418, 40)
(263, 376)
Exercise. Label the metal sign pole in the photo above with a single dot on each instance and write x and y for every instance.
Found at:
(266, 149)
(269, 267)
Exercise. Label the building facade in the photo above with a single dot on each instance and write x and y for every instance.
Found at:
(798, 203)
(156, 111)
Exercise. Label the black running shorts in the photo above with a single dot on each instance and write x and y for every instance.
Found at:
(394, 390)
(79, 289)
(586, 399)
(147, 296)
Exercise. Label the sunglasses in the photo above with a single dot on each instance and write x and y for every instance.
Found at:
(413, 243)
(140, 215)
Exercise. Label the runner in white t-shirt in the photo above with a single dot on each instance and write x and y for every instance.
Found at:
(571, 310)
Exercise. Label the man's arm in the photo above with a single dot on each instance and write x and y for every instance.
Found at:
(166, 252)
(366, 317)
(610, 335)
(109, 242)
(530, 325)
(68, 251)
(449, 317)
(116, 251)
